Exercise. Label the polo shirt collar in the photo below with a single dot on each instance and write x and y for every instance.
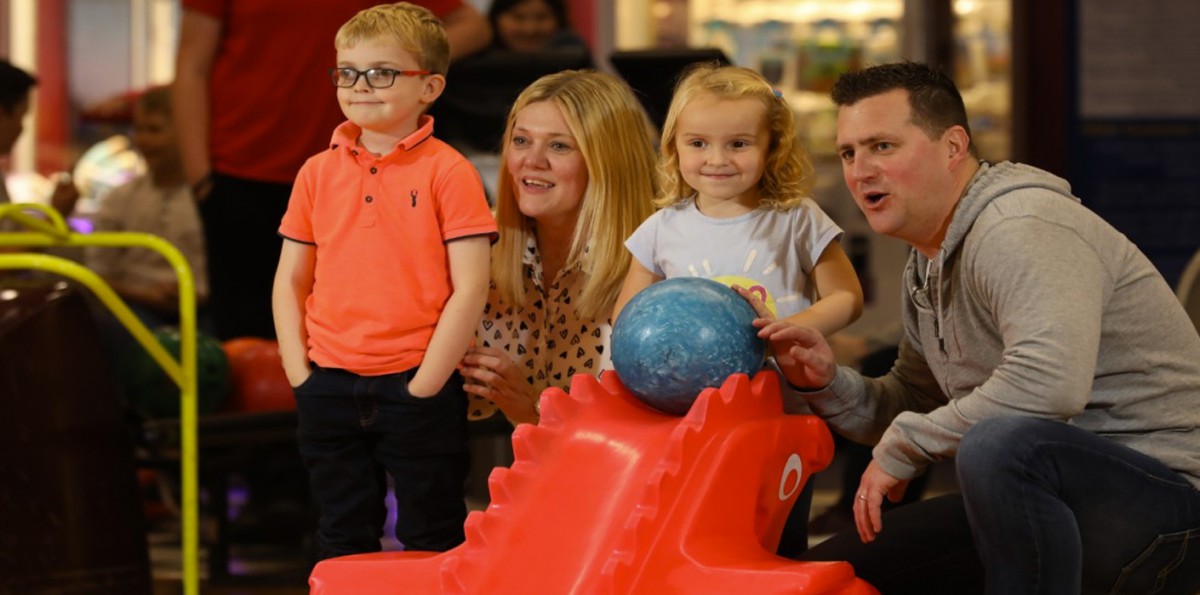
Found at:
(347, 133)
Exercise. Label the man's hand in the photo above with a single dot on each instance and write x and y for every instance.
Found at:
(802, 353)
(868, 501)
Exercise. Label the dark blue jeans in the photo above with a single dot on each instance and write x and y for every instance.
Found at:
(352, 429)
(1047, 508)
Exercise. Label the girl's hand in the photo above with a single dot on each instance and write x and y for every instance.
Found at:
(492, 374)
(752, 298)
(773, 350)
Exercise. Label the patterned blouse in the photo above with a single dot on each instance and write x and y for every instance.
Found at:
(544, 335)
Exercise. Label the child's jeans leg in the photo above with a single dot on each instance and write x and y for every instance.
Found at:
(423, 444)
(337, 446)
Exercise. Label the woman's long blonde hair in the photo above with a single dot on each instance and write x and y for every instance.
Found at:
(788, 176)
(616, 141)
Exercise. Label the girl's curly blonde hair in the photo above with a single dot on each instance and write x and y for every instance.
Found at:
(788, 175)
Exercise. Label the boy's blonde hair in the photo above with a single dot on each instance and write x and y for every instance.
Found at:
(788, 175)
(616, 141)
(415, 28)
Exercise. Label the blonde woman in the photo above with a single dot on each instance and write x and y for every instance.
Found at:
(576, 179)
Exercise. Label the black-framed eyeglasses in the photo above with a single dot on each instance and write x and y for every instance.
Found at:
(377, 78)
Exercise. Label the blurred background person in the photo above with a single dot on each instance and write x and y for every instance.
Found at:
(532, 38)
(157, 202)
(16, 87)
(532, 25)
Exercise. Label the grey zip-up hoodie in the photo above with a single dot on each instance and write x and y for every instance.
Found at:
(1034, 306)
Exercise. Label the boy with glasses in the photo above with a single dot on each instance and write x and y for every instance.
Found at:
(381, 282)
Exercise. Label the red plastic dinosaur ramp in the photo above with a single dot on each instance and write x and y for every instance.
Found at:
(610, 497)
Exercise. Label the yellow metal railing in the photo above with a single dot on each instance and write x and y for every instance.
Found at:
(49, 229)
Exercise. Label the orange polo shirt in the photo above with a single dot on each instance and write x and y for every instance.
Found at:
(380, 226)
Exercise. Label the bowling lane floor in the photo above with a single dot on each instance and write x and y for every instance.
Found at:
(282, 568)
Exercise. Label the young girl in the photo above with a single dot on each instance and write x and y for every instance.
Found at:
(734, 205)
(734, 208)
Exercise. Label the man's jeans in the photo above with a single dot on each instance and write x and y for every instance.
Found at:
(1047, 508)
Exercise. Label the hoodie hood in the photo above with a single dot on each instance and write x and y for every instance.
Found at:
(990, 182)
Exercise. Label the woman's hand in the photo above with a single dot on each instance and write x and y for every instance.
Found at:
(492, 374)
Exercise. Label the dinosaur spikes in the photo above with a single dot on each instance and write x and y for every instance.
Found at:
(764, 390)
(473, 528)
(727, 406)
(607, 497)
(451, 577)
(528, 442)
(624, 554)
(738, 400)
(556, 406)
(498, 487)
(623, 400)
(611, 382)
(583, 386)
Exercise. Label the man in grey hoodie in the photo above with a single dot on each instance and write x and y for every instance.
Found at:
(1042, 351)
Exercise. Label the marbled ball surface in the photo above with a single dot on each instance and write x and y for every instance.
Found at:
(681, 335)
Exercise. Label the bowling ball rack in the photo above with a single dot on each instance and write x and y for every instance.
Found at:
(40, 227)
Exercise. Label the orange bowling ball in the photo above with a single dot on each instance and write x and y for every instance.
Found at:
(257, 381)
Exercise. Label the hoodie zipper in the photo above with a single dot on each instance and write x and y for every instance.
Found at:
(935, 295)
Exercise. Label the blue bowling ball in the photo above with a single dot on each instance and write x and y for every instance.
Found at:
(681, 335)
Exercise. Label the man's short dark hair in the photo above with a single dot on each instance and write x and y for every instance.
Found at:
(933, 99)
(14, 85)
